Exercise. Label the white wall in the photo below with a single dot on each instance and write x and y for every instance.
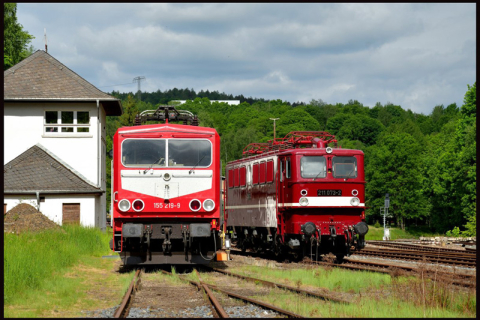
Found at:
(24, 127)
(52, 207)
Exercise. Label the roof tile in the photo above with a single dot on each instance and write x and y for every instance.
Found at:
(37, 170)
(40, 76)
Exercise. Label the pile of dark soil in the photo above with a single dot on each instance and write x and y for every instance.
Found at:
(25, 217)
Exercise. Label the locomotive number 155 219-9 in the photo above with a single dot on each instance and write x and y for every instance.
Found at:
(166, 205)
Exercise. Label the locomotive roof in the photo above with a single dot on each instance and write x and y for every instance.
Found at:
(147, 128)
(302, 151)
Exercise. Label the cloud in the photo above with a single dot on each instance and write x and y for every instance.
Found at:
(416, 55)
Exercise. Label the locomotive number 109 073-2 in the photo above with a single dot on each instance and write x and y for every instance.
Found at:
(160, 205)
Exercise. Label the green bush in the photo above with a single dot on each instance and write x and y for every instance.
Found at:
(377, 224)
(29, 258)
(453, 233)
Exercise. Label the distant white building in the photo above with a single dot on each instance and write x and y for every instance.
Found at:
(230, 102)
(54, 141)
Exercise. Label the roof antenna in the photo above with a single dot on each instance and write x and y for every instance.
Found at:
(45, 33)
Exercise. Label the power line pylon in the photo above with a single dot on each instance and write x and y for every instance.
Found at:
(138, 80)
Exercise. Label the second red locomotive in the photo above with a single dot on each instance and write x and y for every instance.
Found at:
(297, 196)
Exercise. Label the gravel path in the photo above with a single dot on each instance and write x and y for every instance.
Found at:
(248, 311)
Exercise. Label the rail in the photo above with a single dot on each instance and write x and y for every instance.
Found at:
(121, 310)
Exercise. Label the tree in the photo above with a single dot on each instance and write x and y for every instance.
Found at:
(16, 40)
(394, 167)
(362, 128)
(296, 119)
(466, 134)
(130, 110)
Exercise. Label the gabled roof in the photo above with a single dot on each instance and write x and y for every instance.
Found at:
(37, 169)
(41, 77)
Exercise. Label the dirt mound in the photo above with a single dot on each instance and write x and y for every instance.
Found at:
(25, 217)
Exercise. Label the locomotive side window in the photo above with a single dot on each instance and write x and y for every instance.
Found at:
(143, 152)
(313, 167)
(287, 169)
(189, 153)
(242, 175)
(344, 167)
(262, 172)
(270, 171)
(236, 180)
(230, 178)
(255, 173)
(281, 170)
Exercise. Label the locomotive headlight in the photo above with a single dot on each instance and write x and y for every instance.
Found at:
(138, 205)
(208, 205)
(355, 201)
(354, 192)
(303, 201)
(124, 205)
(195, 205)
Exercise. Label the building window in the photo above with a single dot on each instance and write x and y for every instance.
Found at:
(67, 122)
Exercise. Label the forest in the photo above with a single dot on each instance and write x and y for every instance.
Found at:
(427, 163)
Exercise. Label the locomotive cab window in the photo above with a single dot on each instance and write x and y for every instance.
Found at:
(344, 167)
(189, 153)
(313, 167)
(143, 153)
(153, 152)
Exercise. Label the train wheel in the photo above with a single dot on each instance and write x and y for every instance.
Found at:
(297, 256)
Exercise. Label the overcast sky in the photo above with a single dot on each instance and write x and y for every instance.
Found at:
(411, 54)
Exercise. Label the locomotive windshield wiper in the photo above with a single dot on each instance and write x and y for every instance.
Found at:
(321, 171)
(348, 175)
(193, 169)
(159, 159)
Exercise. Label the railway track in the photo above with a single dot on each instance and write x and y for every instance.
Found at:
(417, 247)
(220, 293)
(463, 280)
(127, 298)
(453, 258)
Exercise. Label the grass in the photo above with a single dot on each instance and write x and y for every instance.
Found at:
(46, 274)
(398, 233)
(372, 295)
(326, 278)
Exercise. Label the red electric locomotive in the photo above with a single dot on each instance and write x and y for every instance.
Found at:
(166, 190)
(297, 196)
